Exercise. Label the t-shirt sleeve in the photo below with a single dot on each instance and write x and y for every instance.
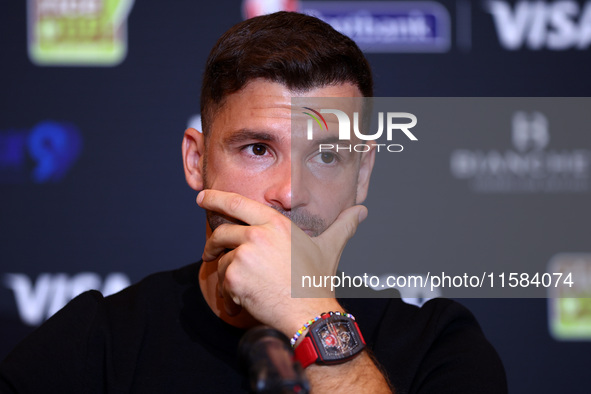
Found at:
(58, 356)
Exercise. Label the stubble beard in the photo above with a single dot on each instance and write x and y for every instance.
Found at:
(314, 225)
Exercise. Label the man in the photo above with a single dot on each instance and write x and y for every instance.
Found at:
(272, 201)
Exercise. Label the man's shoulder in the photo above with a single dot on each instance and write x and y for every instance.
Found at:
(437, 321)
(155, 292)
(437, 345)
(150, 301)
(158, 286)
(435, 314)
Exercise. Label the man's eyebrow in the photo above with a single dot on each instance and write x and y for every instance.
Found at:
(244, 135)
(327, 140)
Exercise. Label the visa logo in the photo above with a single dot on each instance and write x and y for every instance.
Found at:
(536, 25)
(38, 301)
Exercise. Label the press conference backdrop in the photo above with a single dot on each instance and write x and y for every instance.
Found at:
(95, 96)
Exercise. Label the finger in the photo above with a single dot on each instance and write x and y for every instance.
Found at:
(236, 206)
(223, 264)
(226, 236)
(344, 227)
(231, 307)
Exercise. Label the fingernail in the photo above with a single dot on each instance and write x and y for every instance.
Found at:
(363, 214)
(200, 197)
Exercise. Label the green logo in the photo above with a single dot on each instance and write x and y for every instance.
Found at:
(570, 306)
(78, 32)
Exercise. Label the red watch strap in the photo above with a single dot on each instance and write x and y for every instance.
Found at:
(359, 332)
(305, 353)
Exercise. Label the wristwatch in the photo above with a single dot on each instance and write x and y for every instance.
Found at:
(332, 339)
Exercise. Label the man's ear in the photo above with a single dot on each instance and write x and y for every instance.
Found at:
(193, 150)
(365, 168)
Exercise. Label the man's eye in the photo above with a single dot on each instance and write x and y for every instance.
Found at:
(258, 149)
(327, 157)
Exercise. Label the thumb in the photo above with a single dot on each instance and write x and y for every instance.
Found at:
(344, 227)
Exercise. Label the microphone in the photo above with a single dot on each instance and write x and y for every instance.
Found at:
(267, 357)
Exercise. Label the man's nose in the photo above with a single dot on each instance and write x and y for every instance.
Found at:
(287, 187)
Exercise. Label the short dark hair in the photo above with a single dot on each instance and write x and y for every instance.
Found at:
(297, 50)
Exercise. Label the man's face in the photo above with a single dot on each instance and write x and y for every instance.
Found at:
(252, 151)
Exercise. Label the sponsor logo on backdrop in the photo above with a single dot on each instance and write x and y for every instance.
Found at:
(252, 8)
(529, 166)
(569, 316)
(78, 32)
(393, 26)
(556, 25)
(389, 26)
(43, 154)
(38, 301)
(345, 130)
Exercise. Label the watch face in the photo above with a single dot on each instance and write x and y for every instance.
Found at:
(337, 339)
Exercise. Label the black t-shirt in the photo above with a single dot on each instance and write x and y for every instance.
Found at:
(160, 336)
